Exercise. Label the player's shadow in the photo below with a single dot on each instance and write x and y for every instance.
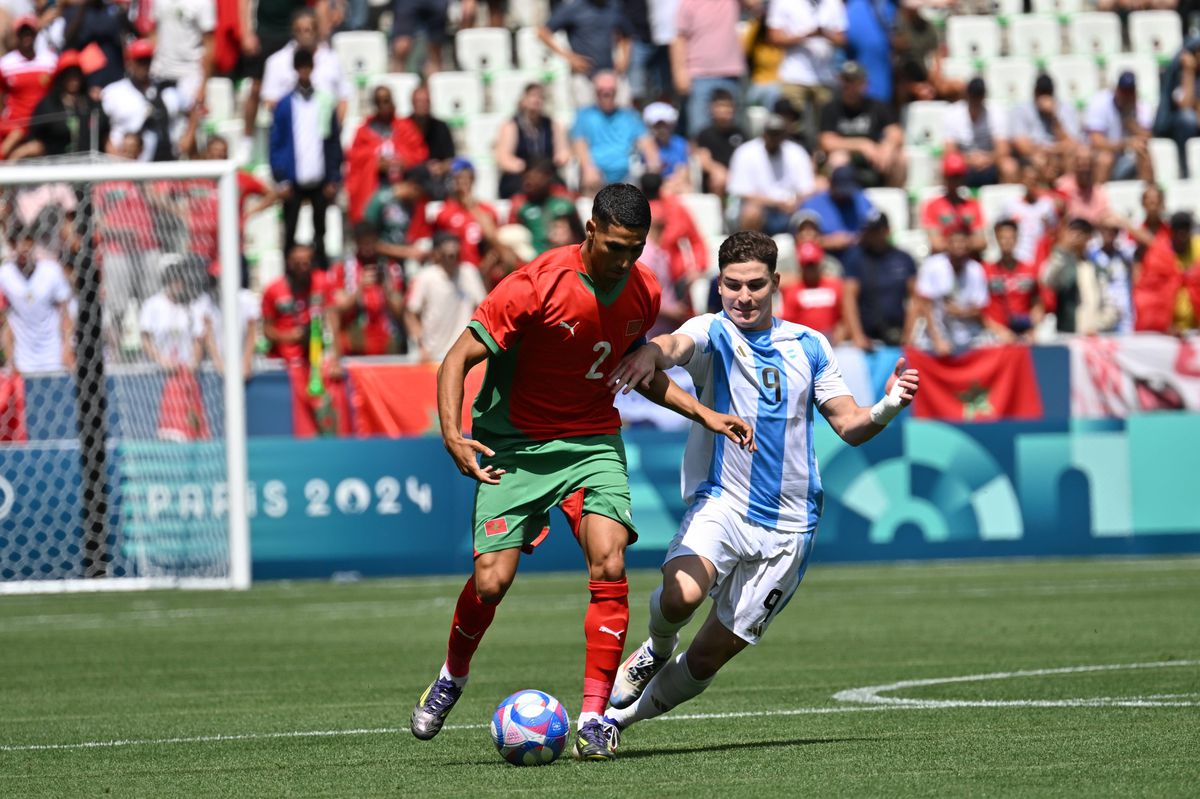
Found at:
(729, 747)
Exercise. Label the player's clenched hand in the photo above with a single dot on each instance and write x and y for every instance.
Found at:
(635, 370)
(464, 451)
(907, 379)
(732, 428)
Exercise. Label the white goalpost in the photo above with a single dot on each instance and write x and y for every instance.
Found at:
(123, 460)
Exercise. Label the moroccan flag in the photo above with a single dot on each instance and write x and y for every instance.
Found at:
(323, 414)
(181, 409)
(400, 399)
(983, 385)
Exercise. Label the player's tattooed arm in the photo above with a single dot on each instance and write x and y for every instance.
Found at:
(466, 353)
(663, 391)
(637, 369)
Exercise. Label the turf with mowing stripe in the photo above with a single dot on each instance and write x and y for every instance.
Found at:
(326, 658)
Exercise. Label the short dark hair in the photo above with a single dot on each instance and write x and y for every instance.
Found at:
(651, 185)
(1080, 224)
(621, 204)
(445, 237)
(543, 165)
(1005, 223)
(302, 58)
(719, 95)
(746, 246)
(363, 229)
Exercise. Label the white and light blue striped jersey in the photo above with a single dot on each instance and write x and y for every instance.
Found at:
(773, 379)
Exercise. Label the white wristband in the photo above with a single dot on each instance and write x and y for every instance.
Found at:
(887, 408)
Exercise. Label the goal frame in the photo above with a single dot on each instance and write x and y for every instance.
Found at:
(233, 389)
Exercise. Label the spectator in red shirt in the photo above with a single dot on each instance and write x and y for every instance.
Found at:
(680, 238)
(815, 301)
(1154, 225)
(953, 209)
(464, 216)
(288, 305)
(368, 293)
(25, 75)
(1015, 307)
(382, 139)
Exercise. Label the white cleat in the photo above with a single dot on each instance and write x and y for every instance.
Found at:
(634, 675)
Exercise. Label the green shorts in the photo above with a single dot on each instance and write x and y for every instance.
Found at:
(580, 475)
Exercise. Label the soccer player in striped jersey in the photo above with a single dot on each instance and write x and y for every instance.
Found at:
(752, 516)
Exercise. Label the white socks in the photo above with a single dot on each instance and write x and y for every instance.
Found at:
(663, 633)
(446, 675)
(672, 686)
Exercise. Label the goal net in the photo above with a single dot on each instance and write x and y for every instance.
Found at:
(122, 421)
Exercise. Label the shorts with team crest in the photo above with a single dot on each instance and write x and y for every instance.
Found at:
(582, 475)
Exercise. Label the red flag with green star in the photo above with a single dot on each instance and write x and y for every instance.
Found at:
(983, 385)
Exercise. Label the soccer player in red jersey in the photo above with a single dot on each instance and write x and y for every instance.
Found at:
(548, 434)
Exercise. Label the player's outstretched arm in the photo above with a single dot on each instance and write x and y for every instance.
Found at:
(467, 352)
(637, 369)
(663, 391)
(857, 424)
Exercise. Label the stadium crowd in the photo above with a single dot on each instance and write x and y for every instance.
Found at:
(822, 123)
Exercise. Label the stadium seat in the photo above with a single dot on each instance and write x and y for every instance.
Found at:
(1125, 198)
(267, 269)
(483, 50)
(1094, 33)
(923, 125)
(361, 53)
(454, 96)
(976, 37)
(402, 85)
(1155, 33)
(506, 88)
(959, 68)
(1142, 65)
(1182, 195)
(894, 203)
(994, 199)
(1034, 36)
(1193, 156)
(532, 54)
(1076, 78)
(487, 181)
(1058, 8)
(219, 100)
(333, 228)
(526, 13)
(1010, 80)
(1164, 155)
(756, 118)
(502, 208)
(1007, 9)
(480, 136)
(913, 242)
(923, 169)
(262, 232)
(583, 206)
(708, 214)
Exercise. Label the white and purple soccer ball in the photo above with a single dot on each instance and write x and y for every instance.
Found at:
(530, 728)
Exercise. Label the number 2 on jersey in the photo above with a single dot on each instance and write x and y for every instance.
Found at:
(604, 348)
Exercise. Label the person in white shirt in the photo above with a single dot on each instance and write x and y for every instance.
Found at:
(810, 30)
(444, 295)
(184, 46)
(135, 105)
(770, 177)
(1034, 211)
(980, 133)
(172, 325)
(279, 74)
(38, 329)
(1118, 124)
(951, 294)
(249, 311)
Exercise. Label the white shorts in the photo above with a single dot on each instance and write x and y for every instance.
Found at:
(758, 568)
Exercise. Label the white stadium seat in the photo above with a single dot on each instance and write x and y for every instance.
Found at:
(756, 118)
(913, 242)
(1193, 156)
(532, 54)
(1143, 66)
(455, 95)
(923, 169)
(1156, 33)
(526, 13)
(1125, 198)
(361, 53)
(487, 181)
(480, 135)
(707, 212)
(1182, 195)
(1010, 80)
(219, 100)
(1164, 155)
(1094, 33)
(1006, 9)
(994, 199)
(959, 68)
(894, 203)
(1076, 78)
(923, 123)
(268, 268)
(483, 49)
(973, 37)
(1034, 36)
(1057, 8)
(786, 259)
(402, 84)
(506, 88)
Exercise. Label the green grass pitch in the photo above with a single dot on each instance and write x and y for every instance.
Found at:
(304, 689)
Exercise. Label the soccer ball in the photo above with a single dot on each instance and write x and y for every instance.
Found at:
(530, 728)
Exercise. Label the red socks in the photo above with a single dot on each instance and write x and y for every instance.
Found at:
(472, 617)
(604, 627)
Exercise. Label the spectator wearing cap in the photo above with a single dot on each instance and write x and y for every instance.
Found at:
(1081, 303)
(864, 131)
(382, 138)
(716, 143)
(979, 133)
(1086, 199)
(953, 208)
(135, 104)
(542, 199)
(806, 226)
(770, 177)
(93, 22)
(951, 294)
(444, 295)
(1045, 125)
(464, 216)
(877, 286)
(529, 136)
(678, 238)
(368, 294)
(1015, 308)
(25, 75)
(842, 209)
(605, 137)
(1177, 115)
(280, 74)
(1167, 292)
(816, 299)
(306, 154)
(438, 140)
(595, 29)
(1118, 124)
(1033, 213)
(67, 119)
(185, 46)
(811, 32)
(397, 211)
(705, 56)
(673, 149)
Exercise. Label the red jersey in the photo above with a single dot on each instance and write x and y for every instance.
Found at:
(195, 201)
(287, 311)
(1012, 291)
(941, 213)
(455, 218)
(368, 329)
(818, 307)
(553, 338)
(24, 82)
(123, 218)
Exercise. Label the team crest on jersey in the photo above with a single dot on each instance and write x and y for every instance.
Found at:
(633, 326)
(495, 527)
